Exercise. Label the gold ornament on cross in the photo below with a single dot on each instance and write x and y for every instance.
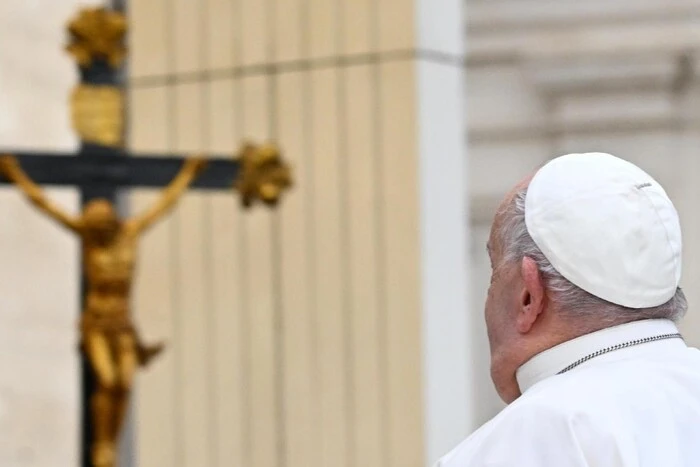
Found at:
(264, 175)
(97, 33)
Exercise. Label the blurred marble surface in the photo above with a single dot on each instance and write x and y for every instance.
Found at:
(39, 377)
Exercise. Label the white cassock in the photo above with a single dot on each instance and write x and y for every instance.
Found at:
(627, 404)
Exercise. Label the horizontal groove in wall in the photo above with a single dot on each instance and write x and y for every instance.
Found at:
(275, 68)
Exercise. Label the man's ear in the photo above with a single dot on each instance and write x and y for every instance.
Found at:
(532, 298)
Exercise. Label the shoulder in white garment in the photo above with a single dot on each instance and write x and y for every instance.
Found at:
(636, 407)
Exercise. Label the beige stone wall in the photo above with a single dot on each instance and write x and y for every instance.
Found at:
(39, 283)
(294, 335)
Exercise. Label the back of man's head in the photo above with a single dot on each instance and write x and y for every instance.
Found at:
(590, 241)
(592, 230)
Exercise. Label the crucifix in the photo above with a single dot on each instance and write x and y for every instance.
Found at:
(110, 346)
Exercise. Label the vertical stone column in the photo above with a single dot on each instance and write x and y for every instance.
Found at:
(442, 159)
(334, 330)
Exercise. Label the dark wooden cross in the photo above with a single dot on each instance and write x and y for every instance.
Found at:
(102, 168)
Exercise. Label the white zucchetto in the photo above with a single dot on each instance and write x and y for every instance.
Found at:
(608, 227)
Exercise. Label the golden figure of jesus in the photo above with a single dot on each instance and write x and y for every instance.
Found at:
(108, 337)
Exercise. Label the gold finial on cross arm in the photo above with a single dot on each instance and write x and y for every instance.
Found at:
(263, 175)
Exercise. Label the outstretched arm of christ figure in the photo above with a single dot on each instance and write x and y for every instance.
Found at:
(170, 195)
(10, 168)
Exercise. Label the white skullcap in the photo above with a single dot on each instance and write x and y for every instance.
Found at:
(607, 227)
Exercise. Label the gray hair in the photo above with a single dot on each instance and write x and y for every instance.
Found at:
(569, 298)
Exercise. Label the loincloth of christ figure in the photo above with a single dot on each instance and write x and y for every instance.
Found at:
(108, 337)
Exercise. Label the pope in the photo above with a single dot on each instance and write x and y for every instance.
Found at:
(582, 316)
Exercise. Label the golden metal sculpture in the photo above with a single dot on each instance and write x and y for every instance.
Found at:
(97, 33)
(108, 337)
(264, 175)
(97, 114)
